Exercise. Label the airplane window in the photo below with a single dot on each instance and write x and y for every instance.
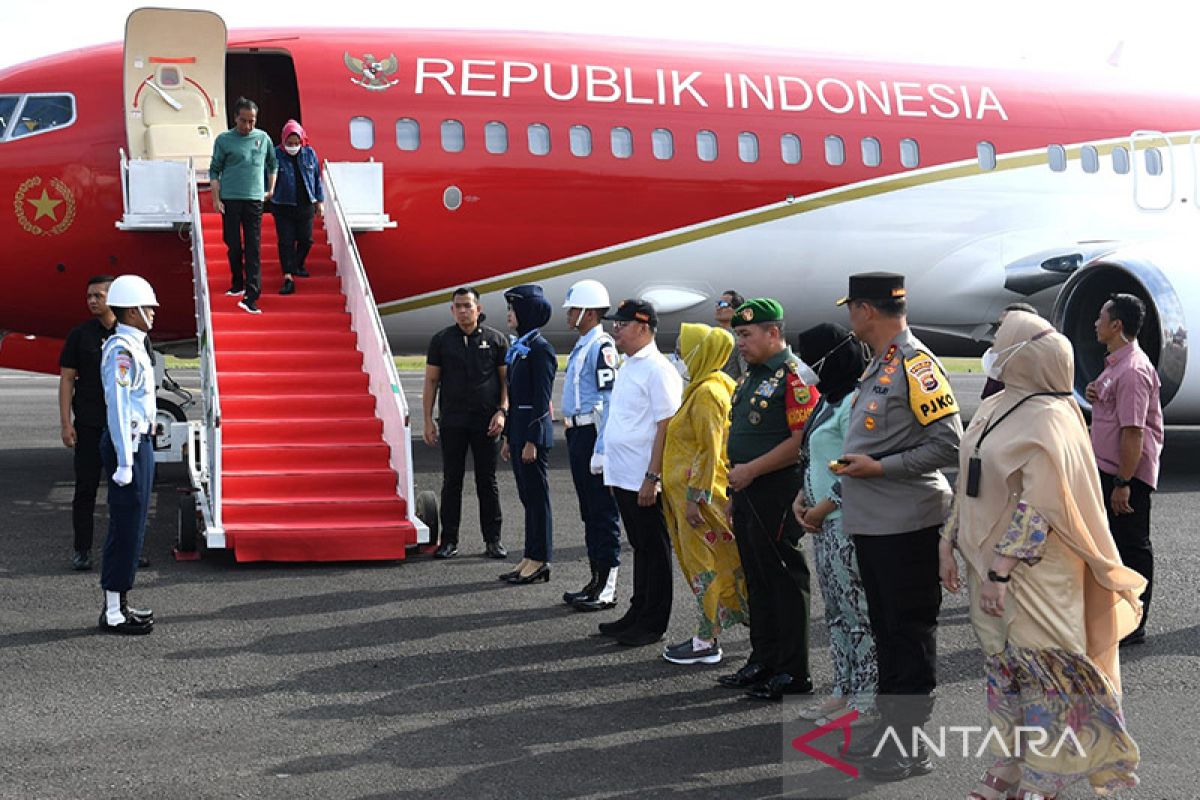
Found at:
(789, 148)
(1056, 154)
(747, 147)
(495, 137)
(663, 144)
(1120, 158)
(910, 153)
(1089, 158)
(986, 151)
(622, 142)
(706, 145)
(872, 152)
(44, 113)
(1154, 161)
(835, 151)
(581, 141)
(539, 139)
(452, 136)
(8, 104)
(362, 133)
(408, 134)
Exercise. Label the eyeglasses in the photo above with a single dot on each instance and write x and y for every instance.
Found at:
(622, 324)
(724, 304)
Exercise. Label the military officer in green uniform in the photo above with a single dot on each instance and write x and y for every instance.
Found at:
(904, 428)
(770, 406)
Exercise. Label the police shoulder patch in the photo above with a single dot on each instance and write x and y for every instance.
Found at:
(123, 361)
(929, 393)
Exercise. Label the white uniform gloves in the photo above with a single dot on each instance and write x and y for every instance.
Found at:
(597, 465)
(123, 476)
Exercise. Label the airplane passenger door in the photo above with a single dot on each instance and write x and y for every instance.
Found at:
(1193, 144)
(174, 74)
(1153, 170)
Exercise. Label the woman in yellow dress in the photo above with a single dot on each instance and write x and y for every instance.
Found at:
(1050, 598)
(695, 494)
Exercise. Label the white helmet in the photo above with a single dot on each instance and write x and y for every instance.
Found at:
(131, 291)
(583, 294)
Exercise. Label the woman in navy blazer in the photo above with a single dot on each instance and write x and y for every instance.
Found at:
(528, 430)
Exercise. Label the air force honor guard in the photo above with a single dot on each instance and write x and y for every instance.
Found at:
(127, 451)
(904, 428)
(591, 372)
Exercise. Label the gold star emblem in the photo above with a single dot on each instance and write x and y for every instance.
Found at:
(45, 207)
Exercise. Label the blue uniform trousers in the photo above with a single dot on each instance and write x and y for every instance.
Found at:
(597, 508)
(533, 487)
(128, 507)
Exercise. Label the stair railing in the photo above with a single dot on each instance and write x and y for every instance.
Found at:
(204, 460)
(390, 404)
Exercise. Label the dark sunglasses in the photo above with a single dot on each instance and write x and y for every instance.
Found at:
(724, 304)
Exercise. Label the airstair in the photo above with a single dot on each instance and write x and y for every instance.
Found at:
(304, 450)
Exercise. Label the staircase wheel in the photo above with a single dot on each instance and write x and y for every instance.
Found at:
(427, 512)
(189, 524)
(167, 413)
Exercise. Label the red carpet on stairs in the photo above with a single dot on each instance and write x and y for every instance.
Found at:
(305, 472)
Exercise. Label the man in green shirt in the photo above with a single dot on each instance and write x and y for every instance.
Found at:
(771, 405)
(243, 177)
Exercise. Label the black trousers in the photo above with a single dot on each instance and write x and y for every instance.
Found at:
(486, 452)
(128, 509)
(87, 481)
(777, 578)
(900, 575)
(242, 230)
(646, 528)
(294, 227)
(597, 508)
(533, 487)
(1131, 532)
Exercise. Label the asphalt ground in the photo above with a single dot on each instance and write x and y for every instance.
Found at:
(429, 679)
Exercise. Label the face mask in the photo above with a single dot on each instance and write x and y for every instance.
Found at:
(681, 367)
(290, 150)
(991, 366)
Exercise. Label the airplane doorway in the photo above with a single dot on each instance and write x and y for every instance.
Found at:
(269, 79)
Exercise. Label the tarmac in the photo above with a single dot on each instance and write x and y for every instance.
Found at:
(431, 679)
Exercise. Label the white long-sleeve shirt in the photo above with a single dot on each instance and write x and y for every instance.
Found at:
(129, 390)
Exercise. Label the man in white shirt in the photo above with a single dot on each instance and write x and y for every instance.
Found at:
(647, 393)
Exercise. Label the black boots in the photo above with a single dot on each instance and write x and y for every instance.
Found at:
(570, 597)
(602, 594)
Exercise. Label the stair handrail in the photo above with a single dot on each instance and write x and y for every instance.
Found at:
(206, 470)
(390, 403)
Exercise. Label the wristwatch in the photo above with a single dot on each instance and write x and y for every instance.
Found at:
(652, 477)
(1120, 482)
(995, 577)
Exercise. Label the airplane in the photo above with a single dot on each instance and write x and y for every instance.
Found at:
(667, 171)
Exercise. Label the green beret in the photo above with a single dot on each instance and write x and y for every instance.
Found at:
(760, 309)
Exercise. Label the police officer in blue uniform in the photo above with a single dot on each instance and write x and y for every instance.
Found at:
(529, 432)
(591, 372)
(126, 449)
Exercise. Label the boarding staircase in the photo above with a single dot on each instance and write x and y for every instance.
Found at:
(304, 452)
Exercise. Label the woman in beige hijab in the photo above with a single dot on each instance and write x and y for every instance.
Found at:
(1050, 598)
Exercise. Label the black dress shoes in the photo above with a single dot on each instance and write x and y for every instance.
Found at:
(749, 675)
(300, 272)
(542, 573)
(81, 560)
(130, 627)
(495, 550)
(447, 550)
(618, 626)
(862, 746)
(1135, 638)
(637, 637)
(778, 686)
(583, 594)
(894, 766)
(136, 614)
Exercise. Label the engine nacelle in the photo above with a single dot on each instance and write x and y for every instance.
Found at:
(1166, 276)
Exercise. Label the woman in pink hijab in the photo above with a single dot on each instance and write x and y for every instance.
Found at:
(298, 197)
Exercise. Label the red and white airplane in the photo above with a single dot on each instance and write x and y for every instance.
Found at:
(665, 171)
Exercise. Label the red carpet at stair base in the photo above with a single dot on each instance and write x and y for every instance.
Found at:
(305, 468)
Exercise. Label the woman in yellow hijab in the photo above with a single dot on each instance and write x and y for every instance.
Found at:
(695, 495)
(1050, 598)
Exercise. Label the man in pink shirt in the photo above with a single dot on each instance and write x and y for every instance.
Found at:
(1127, 435)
